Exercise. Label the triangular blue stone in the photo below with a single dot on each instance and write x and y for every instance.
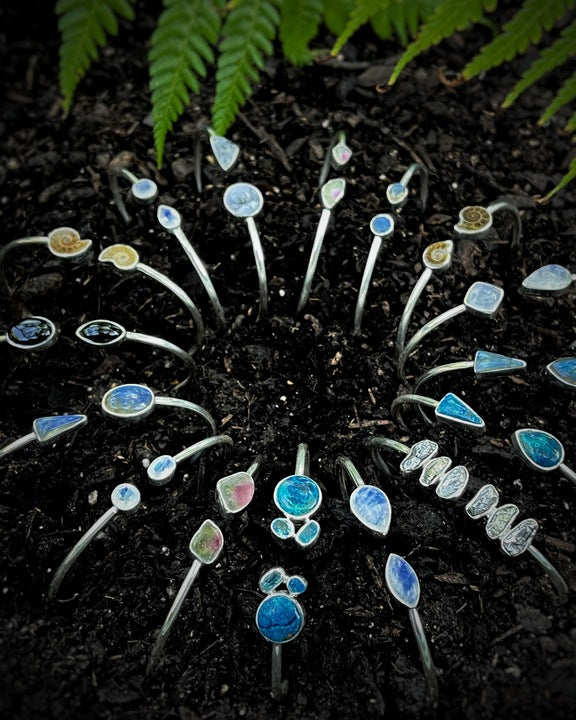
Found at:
(452, 409)
(47, 429)
(402, 581)
(371, 507)
(539, 449)
(225, 151)
(489, 363)
(563, 371)
(554, 279)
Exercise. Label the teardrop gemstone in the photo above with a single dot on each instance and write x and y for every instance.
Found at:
(563, 371)
(225, 151)
(539, 449)
(552, 279)
(370, 505)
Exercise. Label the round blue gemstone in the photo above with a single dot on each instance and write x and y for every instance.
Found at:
(279, 618)
(145, 190)
(243, 200)
(298, 496)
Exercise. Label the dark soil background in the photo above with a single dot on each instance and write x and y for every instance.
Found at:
(503, 645)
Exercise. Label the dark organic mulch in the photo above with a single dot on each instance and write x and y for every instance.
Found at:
(502, 643)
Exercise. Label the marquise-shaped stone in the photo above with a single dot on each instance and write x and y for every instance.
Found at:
(453, 483)
(433, 470)
(49, 428)
(370, 505)
(519, 538)
(207, 543)
(489, 363)
(550, 279)
(563, 371)
(483, 502)
(419, 453)
(453, 409)
(539, 449)
(402, 581)
(235, 492)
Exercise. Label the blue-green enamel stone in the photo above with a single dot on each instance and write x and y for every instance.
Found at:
(451, 407)
(296, 585)
(298, 496)
(282, 528)
(308, 533)
(279, 618)
(271, 579)
(540, 448)
(564, 371)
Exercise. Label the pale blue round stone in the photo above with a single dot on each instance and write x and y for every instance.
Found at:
(145, 190)
(402, 581)
(127, 400)
(243, 200)
(279, 618)
(126, 497)
(396, 192)
(298, 496)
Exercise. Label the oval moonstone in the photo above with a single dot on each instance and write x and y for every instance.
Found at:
(126, 497)
(298, 496)
(161, 470)
(127, 401)
(370, 505)
(279, 618)
(402, 581)
(145, 190)
(207, 542)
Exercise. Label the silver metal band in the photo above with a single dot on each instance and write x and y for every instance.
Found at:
(17, 444)
(555, 578)
(410, 398)
(374, 444)
(417, 291)
(187, 405)
(422, 172)
(260, 266)
(425, 655)
(493, 208)
(347, 470)
(113, 175)
(567, 472)
(375, 249)
(21, 242)
(302, 465)
(314, 255)
(154, 341)
(200, 447)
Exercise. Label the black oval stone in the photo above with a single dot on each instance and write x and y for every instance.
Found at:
(31, 332)
(102, 332)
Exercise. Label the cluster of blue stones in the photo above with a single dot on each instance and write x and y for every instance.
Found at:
(280, 617)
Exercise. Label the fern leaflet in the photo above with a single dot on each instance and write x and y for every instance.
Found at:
(336, 14)
(450, 15)
(362, 12)
(525, 28)
(181, 46)
(570, 175)
(402, 18)
(247, 37)
(84, 25)
(565, 95)
(571, 124)
(550, 58)
(299, 22)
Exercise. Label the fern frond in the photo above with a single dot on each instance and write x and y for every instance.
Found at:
(360, 15)
(247, 37)
(84, 25)
(402, 18)
(550, 58)
(449, 16)
(299, 22)
(570, 175)
(525, 28)
(565, 95)
(571, 124)
(181, 46)
(336, 14)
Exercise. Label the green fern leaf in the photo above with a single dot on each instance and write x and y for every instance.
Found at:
(402, 18)
(84, 25)
(525, 28)
(247, 37)
(449, 16)
(299, 22)
(181, 47)
(570, 175)
(550, 58)
(571, 124)
(361, 14)
(565, 95)
(336, 14)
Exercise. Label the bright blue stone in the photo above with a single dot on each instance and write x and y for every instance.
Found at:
(128, 400)
(382, 224)
(31, 332)
(279, 618)
(371, 506)
(271, 579)
(168, 217)
(243, 200)
(126, 497)
(47, 429)
(563, 371)
(402, 581)
(540, 449)
(161, 469)
(296, 585)
(282, 528)
(298, 496)
(489, 363)
(554, 279)
(483, 298)
(308, 534)
(396, 192)
(452, 409)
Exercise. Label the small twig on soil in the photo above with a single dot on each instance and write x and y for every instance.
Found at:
(265, 137)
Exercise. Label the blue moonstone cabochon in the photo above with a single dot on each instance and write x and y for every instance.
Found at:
(282, 528)
(296, 585)
(32, 333)
(453, 483)
(483, 298)
(500, 520)
(371, 507)
(145, 190)
(420, 453)
(538, 449)
(168, 217)
(243, 200)
(453, 409)
(280, 618)
(101, 332)
(553, 279)
(298, 496)
(225, 151)
(563, 371)
(128, 401)
(272, 579)
(308, 534)
(434, 470)
(484, 502)
(161, 470)
(126, 497)
(49, 428)
(489, 363)
(519, 538)
(402, 581)
(396, 193)
(382, 225)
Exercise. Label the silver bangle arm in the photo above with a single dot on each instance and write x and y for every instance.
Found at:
(113, 175)
(425, 655)
(17, 444)
(35, 240)
(417, 291)
(302, 465)
(567, 472)
(410, 398)
(260, 266)
(422, 171)
(154, 341)
(553, 574)
(314, 256)
(516, 219)
(187, 405)
(365, 283)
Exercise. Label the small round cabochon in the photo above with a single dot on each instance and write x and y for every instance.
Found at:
(298, 496)
(279, 618)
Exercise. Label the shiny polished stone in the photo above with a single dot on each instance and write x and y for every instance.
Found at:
(127, 401)
(298, 496)
(279, 618)
(207, 543)
(101, 332)
(283, 528)
(420, 453)
(453, 409)
(396, 193)
(161, 470)
(235, 492)
(308, 534)
(168, 217)
(341, 154)
(489, 363)
(371, 507)
(332, 192)
(484, 298)
(519, 538)
(243, 200)
(225, 151)
(49, 428)
(382, 225)
(551, 279)
(433, 470)
(539, 449)
(296, 585)
(145, 190)
(563, 371)
(483, 502)
(126, 497)
(402, 581)
(31, 333)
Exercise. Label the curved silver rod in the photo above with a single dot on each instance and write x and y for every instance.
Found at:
(17, 444)
(187, 405)
(374, 444)
(493, 208)
(425, 330)
(256, 467)
(260, 266)
(314, 255)
(172, 615)
(434, 372)
(409, 399)
(422, 171)
(202, 273)
(346, 469)
(78, 549)
(302, 466)
(553, 574)
(113, 175)
(567, 472)
(200, 447)
(425, 656)
(169, 347)
(180, 294)
(279, 686)
(35, 240)
(365, 283)
(336, 138)
(417, 291)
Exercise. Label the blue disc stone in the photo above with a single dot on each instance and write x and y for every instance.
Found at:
(127, 400)
(382, 224)
(279, 618)
(371, 506)
(402, 581)
(161, 469)
(47, 429)
(489, 363)
(296, 585)
(308, 534)
(452, 409)
(483, 298)
(30, 333)
(126, 497)
(563, 371)
(243, 200)
(540, 449)
(298, 496)
(396, 192)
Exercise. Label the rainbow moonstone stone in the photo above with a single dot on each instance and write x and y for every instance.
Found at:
(144, 190)
(168, 217)
(243, 200)
(402, 581)
(563, 371)
(49, 428)
(489, 363)
(483, 298)
(225, 151)
(551, 279)
(161, 470)
(370, 505)
(235, 492)
(128, 401)
(207, 543)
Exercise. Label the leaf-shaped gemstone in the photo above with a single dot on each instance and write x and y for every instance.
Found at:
(207, 543)
(225, 151)
(341, 153)
(500, 520)
(101, 332)
(453, 483)
(235, 492)
(539, 449)
(382, 225)
(453, 409)
(552, 279)
(243, 200)
(332, 192)
(519, 538)
(433, 470)
(123, 257)
(272, 579)
(563, 371)
(402, 581)
(483, 502)
(308, 534)
(168, 217)
(483, 298)
(438, 255)
(419, 453)
(489, 363)
(48, 429)
(370, 505)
